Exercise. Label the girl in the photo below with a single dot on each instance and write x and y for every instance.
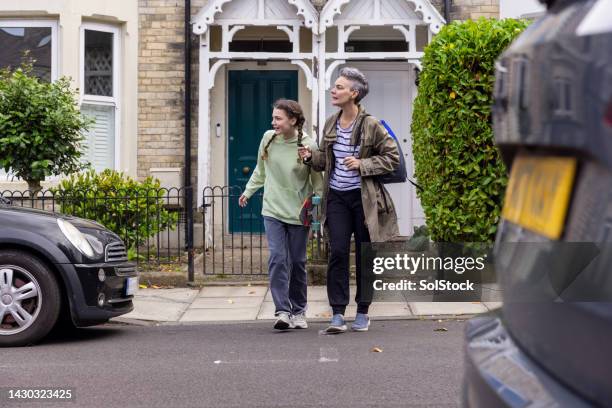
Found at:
(287, 183)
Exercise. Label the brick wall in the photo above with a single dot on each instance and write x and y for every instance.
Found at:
(466, 9)
(161, 85)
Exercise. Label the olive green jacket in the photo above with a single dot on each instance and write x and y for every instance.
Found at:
(379, 155)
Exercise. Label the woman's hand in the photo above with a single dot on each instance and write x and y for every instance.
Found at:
(243, 201)
(352, 163)
(304, 152)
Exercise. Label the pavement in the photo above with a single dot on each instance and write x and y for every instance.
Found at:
(254, 303)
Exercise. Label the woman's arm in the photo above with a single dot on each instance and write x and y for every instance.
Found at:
(385, 158)
(318, 158)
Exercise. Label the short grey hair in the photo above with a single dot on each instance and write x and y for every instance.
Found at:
(360, 82)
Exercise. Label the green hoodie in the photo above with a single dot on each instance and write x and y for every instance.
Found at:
(286, 182)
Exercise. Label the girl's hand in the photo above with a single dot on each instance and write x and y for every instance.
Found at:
(304, 152)
(352, 163)
(243, 201)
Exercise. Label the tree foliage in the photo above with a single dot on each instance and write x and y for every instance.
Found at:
(41, 127)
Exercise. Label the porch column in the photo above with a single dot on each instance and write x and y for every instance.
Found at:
(321, 86)
(203, 118)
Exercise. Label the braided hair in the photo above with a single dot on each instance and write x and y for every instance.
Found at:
(293, 111)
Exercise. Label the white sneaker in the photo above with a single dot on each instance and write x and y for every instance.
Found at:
(299, 321)
(283, 321)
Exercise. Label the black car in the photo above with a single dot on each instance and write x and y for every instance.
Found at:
(551, 342)
(55, 268)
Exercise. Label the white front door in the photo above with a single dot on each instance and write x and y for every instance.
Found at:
(392, 92)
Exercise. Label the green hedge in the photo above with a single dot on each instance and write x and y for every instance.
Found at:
(456, 162)
(133, 210)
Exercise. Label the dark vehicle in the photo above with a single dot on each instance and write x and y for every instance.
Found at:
(551, 342)
(58, 269)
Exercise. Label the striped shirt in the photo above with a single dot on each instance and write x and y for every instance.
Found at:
(341, 177)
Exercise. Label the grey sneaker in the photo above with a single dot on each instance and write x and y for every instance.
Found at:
(337, 325)
(361, 323)
(299, 321)
(283, 321)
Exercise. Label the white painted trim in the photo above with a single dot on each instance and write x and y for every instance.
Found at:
(53, 24)
(293, 34)
(206, 16)
(260, 55)
(117, 64)
(423, 8)
(329, 71)
(375, 55)
(213, 71)
(307, 72)
(228, 34)
(204, 118)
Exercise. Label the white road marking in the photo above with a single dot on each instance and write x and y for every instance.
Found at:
(328, 355)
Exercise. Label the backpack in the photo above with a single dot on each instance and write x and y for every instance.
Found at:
(399, 175)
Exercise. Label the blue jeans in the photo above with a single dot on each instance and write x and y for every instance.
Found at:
(287, 265)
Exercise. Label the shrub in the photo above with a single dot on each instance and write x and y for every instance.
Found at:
(133, 210)
(41, 128)
(456, 162)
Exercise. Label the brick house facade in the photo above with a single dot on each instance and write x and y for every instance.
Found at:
(161, 73)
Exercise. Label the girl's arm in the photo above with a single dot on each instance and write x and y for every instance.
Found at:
(258, 178)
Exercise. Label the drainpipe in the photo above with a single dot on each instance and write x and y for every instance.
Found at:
(187, 171)
(447, 10)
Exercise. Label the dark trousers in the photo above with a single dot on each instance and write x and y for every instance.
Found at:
(287, 265)
(344, 218)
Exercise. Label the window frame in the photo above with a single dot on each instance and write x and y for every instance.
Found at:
(55, 68)
(40, 23)
(114, 100)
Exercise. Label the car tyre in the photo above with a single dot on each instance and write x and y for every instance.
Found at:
(24, 322)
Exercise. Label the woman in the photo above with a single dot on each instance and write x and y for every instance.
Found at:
(287, 183)
(355, 148)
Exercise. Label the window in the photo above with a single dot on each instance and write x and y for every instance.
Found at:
(100, 93)
(36, 37)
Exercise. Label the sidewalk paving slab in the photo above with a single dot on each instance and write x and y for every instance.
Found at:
(233, 291)
(214, 315)
(156, 309)
(177, 294)
(226, 303)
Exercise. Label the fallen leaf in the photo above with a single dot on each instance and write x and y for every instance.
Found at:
(376, 350)
(155, 287)
(252, 292)
(142, 286)
(441, 329)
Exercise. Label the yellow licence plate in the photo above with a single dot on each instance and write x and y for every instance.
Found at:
(539, 192)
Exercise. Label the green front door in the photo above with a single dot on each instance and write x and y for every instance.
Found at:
(251, 95)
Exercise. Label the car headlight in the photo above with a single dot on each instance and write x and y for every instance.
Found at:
(75, 237)
(95, 243)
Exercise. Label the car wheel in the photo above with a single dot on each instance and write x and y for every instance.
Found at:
(29, 298)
